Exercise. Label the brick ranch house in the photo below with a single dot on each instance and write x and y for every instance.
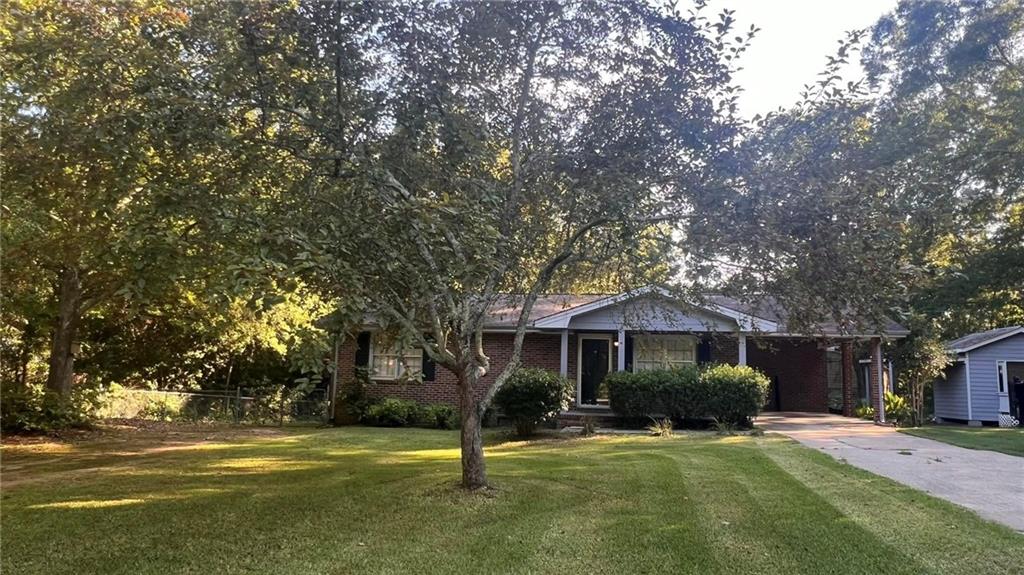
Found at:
(584, 337)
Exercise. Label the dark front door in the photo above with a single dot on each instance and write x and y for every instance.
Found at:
(593, 367)
(1015, 387)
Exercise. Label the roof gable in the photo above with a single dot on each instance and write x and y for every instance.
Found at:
(743, 321)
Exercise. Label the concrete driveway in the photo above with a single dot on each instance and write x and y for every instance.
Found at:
(989, 483)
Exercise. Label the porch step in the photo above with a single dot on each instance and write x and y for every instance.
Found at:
(600, 417)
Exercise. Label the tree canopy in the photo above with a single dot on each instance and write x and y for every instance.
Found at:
(466, 154)
(189, 185)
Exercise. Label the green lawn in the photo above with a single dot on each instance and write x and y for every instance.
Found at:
(1004, 440)
(358, 500)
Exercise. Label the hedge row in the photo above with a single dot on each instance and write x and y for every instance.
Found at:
(401, 413)
(726, 393)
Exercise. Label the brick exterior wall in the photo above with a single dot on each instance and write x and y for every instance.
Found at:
(849, 379)
(798, 365)
(797, 369)
(876, 358)
(539, 350)
(725, 349)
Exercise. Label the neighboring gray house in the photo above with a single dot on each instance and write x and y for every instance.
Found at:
(978, 386)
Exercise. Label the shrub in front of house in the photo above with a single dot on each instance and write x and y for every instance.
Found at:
(439, 416)
(637, 395)
(728, 394)
(676, 392)
(532, 395)
(864, 411)
(898, 410)
(735, 393)
(392, 412)
(684, 395)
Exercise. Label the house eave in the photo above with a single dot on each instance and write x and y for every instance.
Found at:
(989, 341)
(745, 322)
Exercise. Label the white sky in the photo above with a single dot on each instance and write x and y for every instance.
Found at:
(795, 38)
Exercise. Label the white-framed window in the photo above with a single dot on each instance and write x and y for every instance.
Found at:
(1001, 377)
(387, 361)
(663, 350)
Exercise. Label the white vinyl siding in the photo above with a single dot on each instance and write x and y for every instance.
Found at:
(661, 351)
(389, 362)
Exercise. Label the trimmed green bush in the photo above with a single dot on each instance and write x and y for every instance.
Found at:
(402, 413)
(728, 394)
(531, 396)
(676, 393)
(440, 416)
(636, 395)
(684, 394)
(392, 413)
(736, 393)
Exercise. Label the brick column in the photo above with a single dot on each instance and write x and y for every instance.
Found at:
(849, 382)
(874, 381)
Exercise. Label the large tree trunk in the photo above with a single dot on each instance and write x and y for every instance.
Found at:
(62, 360)
(474, 472)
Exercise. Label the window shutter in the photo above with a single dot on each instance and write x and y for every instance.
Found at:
(363, 350)
(428, 367)
(704, 351)
(629, 353)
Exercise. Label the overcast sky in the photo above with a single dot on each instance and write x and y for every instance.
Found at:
(790, 49)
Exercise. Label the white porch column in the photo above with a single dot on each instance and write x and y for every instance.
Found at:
(563, 365)
(743, 349)
(622, 350)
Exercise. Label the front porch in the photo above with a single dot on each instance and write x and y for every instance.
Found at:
(652, 329)
(810, 375)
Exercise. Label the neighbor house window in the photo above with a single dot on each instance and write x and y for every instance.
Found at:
(390, 362)
(661, 351)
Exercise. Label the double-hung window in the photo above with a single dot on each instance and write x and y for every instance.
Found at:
(663, 351)
(388, 361)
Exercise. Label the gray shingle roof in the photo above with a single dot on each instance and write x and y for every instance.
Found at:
(981, 338)
(770, 309)
(504, 312)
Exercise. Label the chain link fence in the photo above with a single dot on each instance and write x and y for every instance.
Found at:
(278, 405)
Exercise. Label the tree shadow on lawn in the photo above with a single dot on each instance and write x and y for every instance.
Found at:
(376, 500)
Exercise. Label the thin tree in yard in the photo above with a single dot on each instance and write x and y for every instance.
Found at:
(465, 157)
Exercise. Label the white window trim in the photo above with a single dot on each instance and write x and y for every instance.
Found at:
(693, 339)
(373, 374)
(1002, 374)
(579, 363)
(970, 402)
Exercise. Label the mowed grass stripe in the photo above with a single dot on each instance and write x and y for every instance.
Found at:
(363, 500)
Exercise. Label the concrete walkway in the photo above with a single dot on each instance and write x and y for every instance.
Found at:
(989, 483)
